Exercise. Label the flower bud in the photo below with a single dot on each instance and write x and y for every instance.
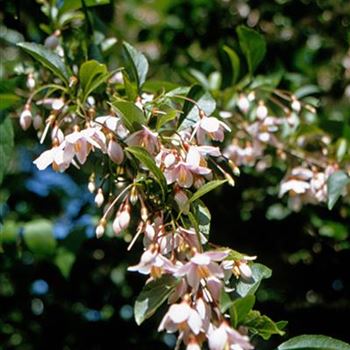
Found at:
(51, 41)
(296, 105)
(245, 270)
(37, 122)
(25, 119)
(116, 226)
(133, 195)
(30, 81)
(243, 103)
(261, 111)
(144, 213)
(91, 186)
(57, 104)
(124, 219)
(99, 199)
(115, 151)
(100, 229)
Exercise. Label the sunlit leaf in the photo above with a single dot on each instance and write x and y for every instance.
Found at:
(259, 272)
(209, 186)
(153, 295)
(138, 62)
(144, 157)
(336, 185)
(131, 115)
(313, 342)
(203, 101)
(262, 325)
(253, 46)
(91, 75)
(235, 63)
(48, 59)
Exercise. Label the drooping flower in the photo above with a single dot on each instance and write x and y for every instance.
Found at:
(225, 337)
(202, 265)
(60, 156)
(182, 172)
(181, 317)
(211, 127)
(144, 138)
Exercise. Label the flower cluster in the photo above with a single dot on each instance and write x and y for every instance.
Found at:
(154, 157)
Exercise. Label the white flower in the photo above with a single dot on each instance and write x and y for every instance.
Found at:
(212, 127)
(295, 186)
(181, 316)
(224, 335)
(60, 156)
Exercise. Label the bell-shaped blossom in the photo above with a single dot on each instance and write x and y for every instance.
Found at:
(25, 119)
(115, 151)
(144, 138)
(181, 317)
(211, 127)
(183, 171)
(60, 156)
(113, 124)
(225, 337)
(202, 265)
(84, 140)
(152, 262)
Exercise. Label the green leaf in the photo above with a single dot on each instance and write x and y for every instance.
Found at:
(240, 309)
(130, 88)
(204, 101)
(209, 186)
(39, 238)
(8, 100)
(139, 63)
(336, 184)
(64, 260)
(48, 59)
(152, 296)
(163, 119)
(144, 157)
(259, 272)
(91, 75)
(203, 218)
(311, 342)
(155, 86)
(235, 63)
(253, 46)
(70, 5)
(225, 301)
(6, 145)
(262, 325)
(132, 116)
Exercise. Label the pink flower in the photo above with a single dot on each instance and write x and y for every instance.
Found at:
(115, 151)
(60, 156)
(152, 263)
(84, 140)
(202, 265)
(224, 337)
(113, 124)
(211, 127)
(182, 172)
(144, 138)
(181, 317)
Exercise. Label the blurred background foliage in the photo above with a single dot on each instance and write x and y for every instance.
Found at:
(60, 288)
